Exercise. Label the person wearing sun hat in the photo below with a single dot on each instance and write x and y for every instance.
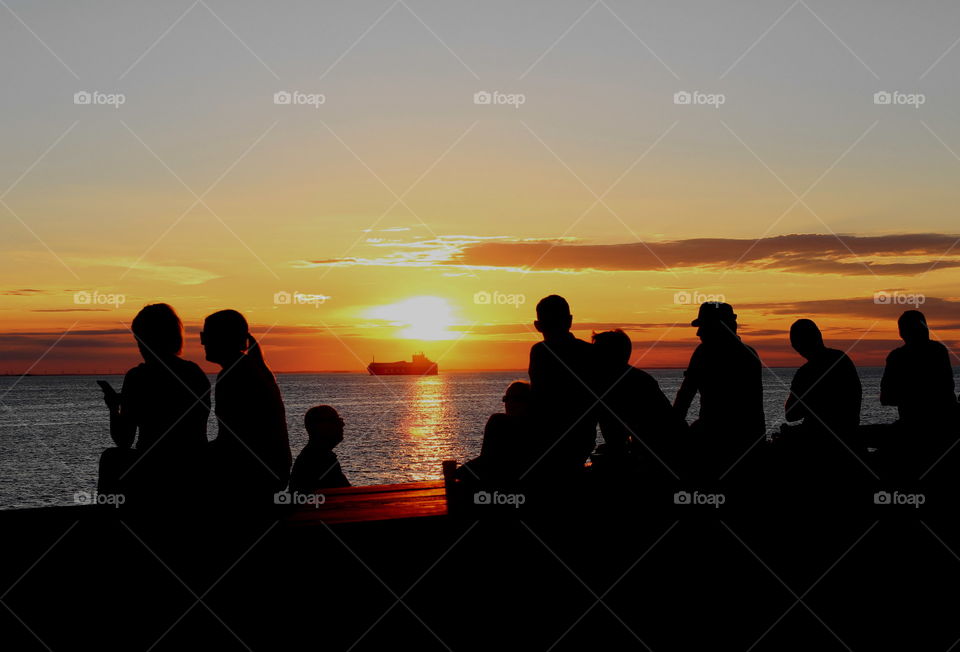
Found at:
(727, 374)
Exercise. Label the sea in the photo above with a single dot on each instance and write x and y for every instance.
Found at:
(398, 428)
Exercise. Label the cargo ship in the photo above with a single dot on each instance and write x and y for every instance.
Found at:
(419, 366)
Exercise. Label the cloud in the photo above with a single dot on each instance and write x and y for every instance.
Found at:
(179, 274)
(890, 255)
(25, 292)
(944, 313)
(849, 255)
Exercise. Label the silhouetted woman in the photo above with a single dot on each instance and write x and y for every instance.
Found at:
(507, 452)
(158, 421)
(250, 458)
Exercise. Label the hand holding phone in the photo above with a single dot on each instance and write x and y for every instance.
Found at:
(110, 395)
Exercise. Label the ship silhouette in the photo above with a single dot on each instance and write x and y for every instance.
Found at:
(419, 366)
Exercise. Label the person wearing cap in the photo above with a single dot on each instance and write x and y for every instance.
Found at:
(825, 394)
(727, 374)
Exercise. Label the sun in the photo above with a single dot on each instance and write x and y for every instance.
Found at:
(419, 318)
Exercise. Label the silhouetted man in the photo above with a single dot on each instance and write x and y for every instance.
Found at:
(728, 376)
(561, 379)
(635, 412)
(918, 378)
(317, 466)
(251, 454)
(825, 393)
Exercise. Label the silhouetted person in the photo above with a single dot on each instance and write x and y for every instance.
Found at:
(918, 377)
(728, 376)
(317, 466)
(561, 382)
(158, 421)
(635, 413)
(825, 394)
(508, 450)
(251, 454)
(918, 380)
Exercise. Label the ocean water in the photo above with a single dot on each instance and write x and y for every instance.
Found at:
(398, 428)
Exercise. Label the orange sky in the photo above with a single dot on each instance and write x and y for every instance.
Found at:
(400, 200)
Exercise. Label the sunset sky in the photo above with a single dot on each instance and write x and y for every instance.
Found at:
(400, 215)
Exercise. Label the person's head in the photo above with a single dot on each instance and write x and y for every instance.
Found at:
(225, 336)
(324, 426)
(715, 321)
(158, 331)
(553, 315)
(913, 327)
(516, 400)
(805, 337)
(612, 348)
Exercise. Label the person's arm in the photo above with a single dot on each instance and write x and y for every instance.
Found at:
(889, 383)
(688, 388)
(123, 428)
(794, 409)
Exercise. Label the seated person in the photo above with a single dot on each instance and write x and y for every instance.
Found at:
(562, 390)
(158, 420)
(728, 376)
(506, 454)
(825, 394)
(918, 380)
(918, 377)
(634, 413)
(317, 466)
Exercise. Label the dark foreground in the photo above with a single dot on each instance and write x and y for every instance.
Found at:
(602, 564)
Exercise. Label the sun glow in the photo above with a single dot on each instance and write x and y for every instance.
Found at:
(418, 318)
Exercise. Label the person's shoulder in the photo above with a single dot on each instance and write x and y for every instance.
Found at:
(896, 354)
(498, 420)
(838, 356)
(939, 347)
(638, 375)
